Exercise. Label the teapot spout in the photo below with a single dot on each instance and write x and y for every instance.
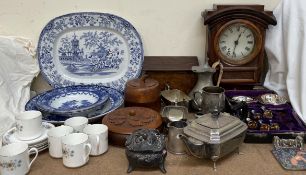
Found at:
(195, 147)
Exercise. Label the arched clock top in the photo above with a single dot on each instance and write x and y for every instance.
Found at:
(223, 13)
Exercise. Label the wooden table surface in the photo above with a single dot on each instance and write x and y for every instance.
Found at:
(255, 159)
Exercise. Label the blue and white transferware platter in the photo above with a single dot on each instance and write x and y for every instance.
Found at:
(90, 48)
(73, 100)
(115, 101)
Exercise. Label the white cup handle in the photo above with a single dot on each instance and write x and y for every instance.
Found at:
(98, 143)
(36, 154)
(87, 148)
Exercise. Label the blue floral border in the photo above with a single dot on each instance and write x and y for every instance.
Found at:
(88, 19)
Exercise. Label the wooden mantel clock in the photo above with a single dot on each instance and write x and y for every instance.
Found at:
(236, 37)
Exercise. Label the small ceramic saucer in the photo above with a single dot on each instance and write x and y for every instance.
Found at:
(10, 136)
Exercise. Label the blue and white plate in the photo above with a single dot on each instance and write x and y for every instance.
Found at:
(73, 100)
(114, 102)
(90, 48)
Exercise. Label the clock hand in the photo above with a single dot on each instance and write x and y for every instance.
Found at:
(236, 43)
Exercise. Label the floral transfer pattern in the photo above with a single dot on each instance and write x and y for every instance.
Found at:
(19, 127)
(67, 152)
(87, 45)
(74, 104)
(11, 165)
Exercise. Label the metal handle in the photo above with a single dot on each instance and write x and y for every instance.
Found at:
(218, 63)
(198, 100)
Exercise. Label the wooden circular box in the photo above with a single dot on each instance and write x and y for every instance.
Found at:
(122, 122)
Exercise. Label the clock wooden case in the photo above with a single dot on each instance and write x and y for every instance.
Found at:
(236, 37)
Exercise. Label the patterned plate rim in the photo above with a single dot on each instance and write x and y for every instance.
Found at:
(29, 106)
(56, 80)
(44, 107)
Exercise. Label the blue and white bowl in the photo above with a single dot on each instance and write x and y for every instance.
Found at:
(73, 100)
(114, 102)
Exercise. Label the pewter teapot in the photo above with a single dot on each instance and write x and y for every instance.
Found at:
(214, 135)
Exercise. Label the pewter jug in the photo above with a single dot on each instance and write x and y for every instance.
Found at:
(175, 145)
(204, 79)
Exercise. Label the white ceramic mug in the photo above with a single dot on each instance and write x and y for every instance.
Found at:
(15, 160)
(29, 125)
(77, 123)
(76, 149)
(98, 138)
(55, 139)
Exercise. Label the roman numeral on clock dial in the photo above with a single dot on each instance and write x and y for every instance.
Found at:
(236, 41)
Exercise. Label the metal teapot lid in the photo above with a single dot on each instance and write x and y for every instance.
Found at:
(217, 120)
(215, 128)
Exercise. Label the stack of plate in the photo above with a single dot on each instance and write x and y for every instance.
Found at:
(41, 143)
(102, 49)
(73, 100)
(90, 101)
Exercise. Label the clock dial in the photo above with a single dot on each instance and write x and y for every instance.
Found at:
(236, 42)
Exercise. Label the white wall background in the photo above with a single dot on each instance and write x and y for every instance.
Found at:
(167, 27)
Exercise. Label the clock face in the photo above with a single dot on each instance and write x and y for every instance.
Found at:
(236, 42)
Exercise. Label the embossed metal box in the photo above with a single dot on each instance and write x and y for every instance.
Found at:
(146, 148)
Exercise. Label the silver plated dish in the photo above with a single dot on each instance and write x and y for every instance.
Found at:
(242, 98)
(272, 99)
(73, 100)
(90, 48)
(175, 96)
(174, 113)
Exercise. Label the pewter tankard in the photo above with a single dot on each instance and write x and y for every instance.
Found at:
(213, 99)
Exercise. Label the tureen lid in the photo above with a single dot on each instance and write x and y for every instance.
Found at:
(216, 121)
(215, 128)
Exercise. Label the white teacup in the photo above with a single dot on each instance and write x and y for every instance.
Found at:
(55, 139)
(76, 149)
(98, 138)
(29, 125)
(77, 123)
(15, 160)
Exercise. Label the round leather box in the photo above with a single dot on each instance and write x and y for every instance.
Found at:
(143, 92)
(122, 122)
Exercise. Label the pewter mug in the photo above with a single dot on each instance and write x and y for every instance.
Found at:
(212, 99)
(175, 145)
